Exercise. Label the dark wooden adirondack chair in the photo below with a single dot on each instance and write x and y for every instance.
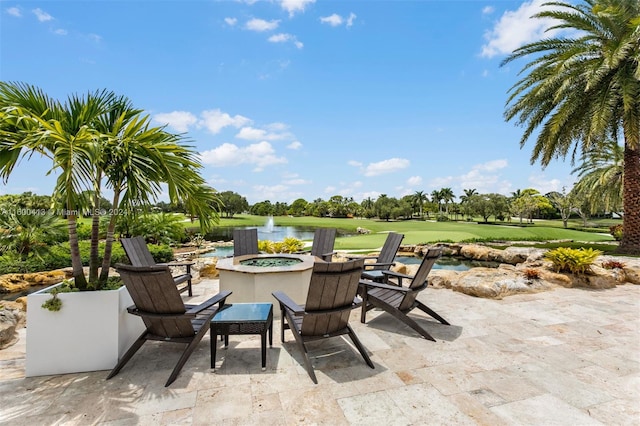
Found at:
(384, 260)
(399, 300)
(331, 297)
(245, 241)
(139, 255)
(323, 242)
(157, 301)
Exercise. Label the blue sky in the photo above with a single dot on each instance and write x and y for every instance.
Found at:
(298, 98)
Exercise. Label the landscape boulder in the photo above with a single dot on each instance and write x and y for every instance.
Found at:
(12, 283)
(10, 321)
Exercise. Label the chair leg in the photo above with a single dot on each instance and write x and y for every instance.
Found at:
(186, 354)
(303, 350)
(360, 347)
(189, 281)
(427, 310)
(407, 320)
(128, 355)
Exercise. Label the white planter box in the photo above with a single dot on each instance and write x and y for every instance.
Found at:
(89, 333)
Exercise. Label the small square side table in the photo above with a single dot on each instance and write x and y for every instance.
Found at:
(242, 318)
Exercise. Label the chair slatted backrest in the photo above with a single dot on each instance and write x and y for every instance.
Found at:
(389, 250)
(419, 281)
(137, 251)
(245, 241)
(323, 241)
(333, 286)
(154, 292)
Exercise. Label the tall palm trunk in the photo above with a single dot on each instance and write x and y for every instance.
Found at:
(630, 243)
(94, 256)
(108, 245)
(76, 260)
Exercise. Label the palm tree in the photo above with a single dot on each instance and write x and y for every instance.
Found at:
(95, 137)
(600, 176)
(436, 197)
(31, 122)
(584, 88)
(419, 198)
(447, 196)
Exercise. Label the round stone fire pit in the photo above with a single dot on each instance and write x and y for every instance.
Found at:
(252, 278)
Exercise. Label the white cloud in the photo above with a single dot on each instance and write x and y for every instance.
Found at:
(252, 133)
(488, 10)
(350, 19)
(298, 181)
(260, 25)
(333, 20)
(260, 155)
(330, 190)
(95, 37)
(215, 120)
(294, 145)
(295, 6)
(414, 181)
(544, 185)
(231, 21)
(42, 15)
(354, 163)
(515, 29)
(14, 11)
(386, 166)
(492, 166)
(60, 31)
(178, 120)
(284, 37)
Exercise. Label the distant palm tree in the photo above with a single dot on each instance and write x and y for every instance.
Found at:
(447, 196)
(436, 197)
(584, 87)
(468, 193)
(600, 176)
(419, 198)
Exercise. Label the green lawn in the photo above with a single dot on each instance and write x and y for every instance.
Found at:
(417, 232)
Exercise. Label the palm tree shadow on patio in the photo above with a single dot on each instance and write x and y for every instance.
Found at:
(438, 331)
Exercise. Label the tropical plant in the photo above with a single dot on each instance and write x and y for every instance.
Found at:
(95, 140)
(575, 261)
(600, 176)
(582, 87)
(29, 231)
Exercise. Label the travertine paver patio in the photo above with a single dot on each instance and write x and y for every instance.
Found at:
(566, 357)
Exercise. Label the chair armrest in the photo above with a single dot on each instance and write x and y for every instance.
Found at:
(373, 265)
(135, 311)
(367, 284)
(178, 263)
(218, 298)
(287, 302)
(351, 257)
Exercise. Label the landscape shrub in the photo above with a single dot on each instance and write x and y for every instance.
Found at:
(575, 261)
(288, 245)
(616, 232)
(442, 218)
(531, 274)
(613, 264)
(59, 256)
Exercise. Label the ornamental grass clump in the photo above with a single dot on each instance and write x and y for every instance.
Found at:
(575, 261)
(288, 245)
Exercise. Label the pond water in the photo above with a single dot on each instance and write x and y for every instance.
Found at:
(275, 233)
(262, 262)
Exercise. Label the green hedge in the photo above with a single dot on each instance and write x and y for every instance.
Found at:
(59, 256)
